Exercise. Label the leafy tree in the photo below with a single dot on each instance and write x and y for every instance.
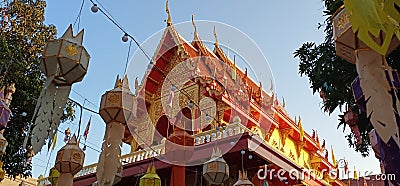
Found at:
(23, 36)
(332, 76)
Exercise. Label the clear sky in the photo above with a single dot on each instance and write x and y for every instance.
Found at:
(277, 27)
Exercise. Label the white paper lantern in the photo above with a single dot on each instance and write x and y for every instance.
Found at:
(216, 170)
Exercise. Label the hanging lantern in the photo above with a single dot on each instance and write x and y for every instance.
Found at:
(10, 91)
(322, 95)
(53, 176)
(116, 109)
(216, 170)
(150, 178)
(347, 42)
(243, 180)
(351, 119)
(373, 138)
(3, 144)
(64, 62)
(69, 161)
(5, 113)
(66, 58)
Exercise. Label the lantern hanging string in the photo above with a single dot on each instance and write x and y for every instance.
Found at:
(78, 17)
(128, 55)
(48, 162)
(80, 120)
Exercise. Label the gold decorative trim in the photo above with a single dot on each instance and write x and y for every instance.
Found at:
(299, 147)
(283, 134)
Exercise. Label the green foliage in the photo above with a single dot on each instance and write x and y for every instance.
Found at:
(22, 38)
(333, 76)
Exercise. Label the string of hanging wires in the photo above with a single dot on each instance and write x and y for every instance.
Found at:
(95, 8)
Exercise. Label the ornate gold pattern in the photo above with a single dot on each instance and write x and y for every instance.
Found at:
(299, 147)
(114, 98)
(76, 157)
(71, 50)
(291, 155)
(342, 21)
(269, 134)
(283, 134)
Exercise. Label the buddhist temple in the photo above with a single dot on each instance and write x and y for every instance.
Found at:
(197, 119)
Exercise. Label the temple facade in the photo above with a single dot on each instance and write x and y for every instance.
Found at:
(200, 120)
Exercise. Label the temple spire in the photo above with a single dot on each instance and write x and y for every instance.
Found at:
(215, 35)
(194, 25)
(169, 21)
(195, 34)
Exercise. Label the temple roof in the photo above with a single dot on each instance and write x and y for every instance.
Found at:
(215, 63)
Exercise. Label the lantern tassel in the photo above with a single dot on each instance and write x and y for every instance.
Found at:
(376, 88)
(109, 169)
(48, 112)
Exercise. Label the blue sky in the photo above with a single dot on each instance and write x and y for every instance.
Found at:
(277, 27)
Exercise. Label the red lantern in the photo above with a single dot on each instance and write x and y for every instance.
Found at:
(322, 95)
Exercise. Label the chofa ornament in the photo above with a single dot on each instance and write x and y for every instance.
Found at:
(65, 61)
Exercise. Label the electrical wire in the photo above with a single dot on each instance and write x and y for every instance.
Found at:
(90, 102)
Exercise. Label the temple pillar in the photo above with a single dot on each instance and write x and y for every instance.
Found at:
(178, 176)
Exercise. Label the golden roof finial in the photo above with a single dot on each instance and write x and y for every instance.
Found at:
(118, 83)
(169, 21)
(272, 86)
(215, 35)
(194, 25)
